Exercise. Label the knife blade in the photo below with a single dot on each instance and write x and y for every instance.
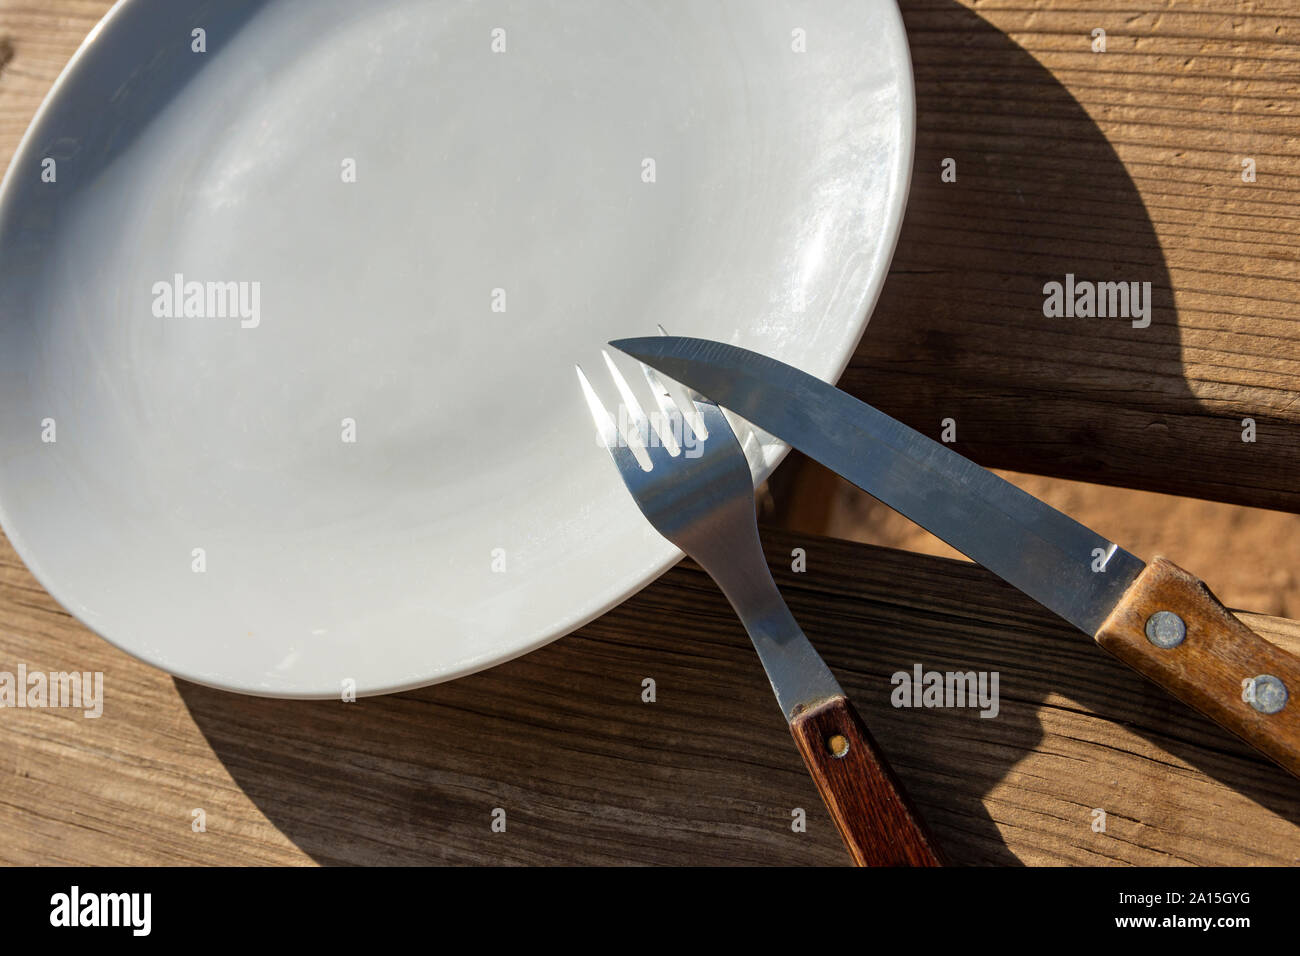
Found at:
(1157, 618)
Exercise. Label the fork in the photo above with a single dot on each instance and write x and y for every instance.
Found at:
(698, 493)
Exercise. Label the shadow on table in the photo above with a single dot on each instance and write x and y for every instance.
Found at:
(561, 740)
(960, 330)
(588, 772)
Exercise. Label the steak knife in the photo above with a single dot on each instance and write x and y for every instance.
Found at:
(1157, 618)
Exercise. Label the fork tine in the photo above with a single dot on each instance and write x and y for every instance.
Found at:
(689, 413)
(672, 405)
(647, 433)
(668, 411)
(681, 405)
(640, 424)
(715, 421)
(687, 409)
(623, 456)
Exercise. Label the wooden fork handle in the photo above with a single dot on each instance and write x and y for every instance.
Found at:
(877, 820)
(1170, 628)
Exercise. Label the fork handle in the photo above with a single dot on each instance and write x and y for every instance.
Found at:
(877, 820)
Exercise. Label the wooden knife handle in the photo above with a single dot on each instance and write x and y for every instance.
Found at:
(1169, 627)
(878, 822)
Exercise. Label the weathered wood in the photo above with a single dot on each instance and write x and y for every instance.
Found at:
(588, 772)
(1122, 165)
(1208, 659)
(863, 795)
(36, 40)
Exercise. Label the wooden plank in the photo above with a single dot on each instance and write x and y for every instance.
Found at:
(588, 772)
(1122, 165)
(36, 40)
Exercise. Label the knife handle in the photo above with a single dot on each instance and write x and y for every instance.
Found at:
(1171, 629)
(877, 820)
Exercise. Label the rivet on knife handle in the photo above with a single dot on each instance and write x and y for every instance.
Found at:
(1169, 627)
(871, 810)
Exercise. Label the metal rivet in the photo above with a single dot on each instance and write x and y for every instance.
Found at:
(838, 745)
(1269, 694)
(1166, 629)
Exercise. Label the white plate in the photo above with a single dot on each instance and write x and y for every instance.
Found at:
(779, 176)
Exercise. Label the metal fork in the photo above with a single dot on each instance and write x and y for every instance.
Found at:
(698, 493)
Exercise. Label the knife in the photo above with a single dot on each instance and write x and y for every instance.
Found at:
(1157, 618)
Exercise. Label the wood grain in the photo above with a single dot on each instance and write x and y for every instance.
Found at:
(1117, 165)
(866, 800)
(1122, 165)
(589, 773)
(1215, 657)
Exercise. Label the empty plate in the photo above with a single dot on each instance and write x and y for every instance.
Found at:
(291, 293)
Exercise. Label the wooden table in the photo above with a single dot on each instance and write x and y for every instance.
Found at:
(1117, 165)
